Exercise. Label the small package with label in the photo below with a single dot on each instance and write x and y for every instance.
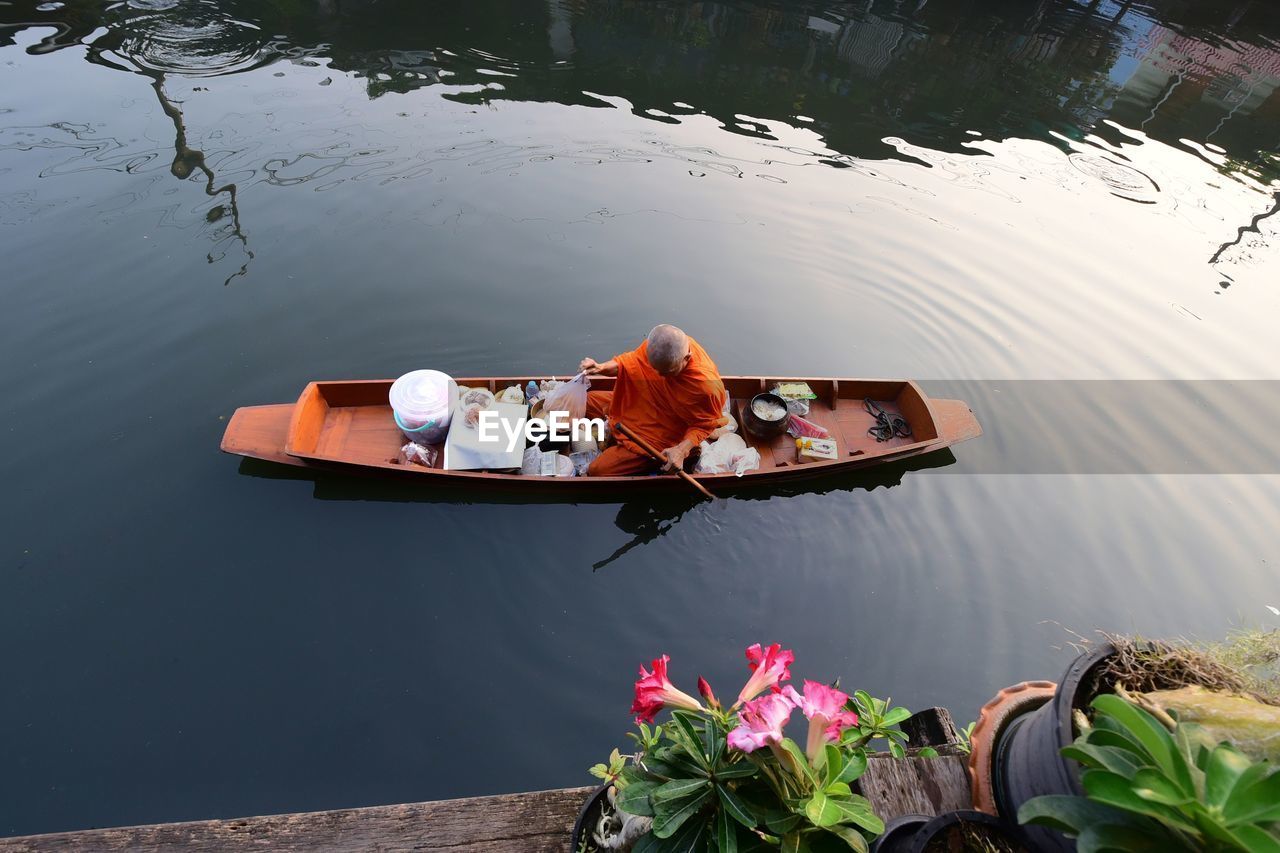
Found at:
(817, 448)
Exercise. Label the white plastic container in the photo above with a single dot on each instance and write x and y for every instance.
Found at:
(423, 402)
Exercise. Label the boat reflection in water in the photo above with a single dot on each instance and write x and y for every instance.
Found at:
(645, 519)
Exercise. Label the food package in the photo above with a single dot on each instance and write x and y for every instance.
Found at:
(797, 395)
(548, 463)
(570, 397)
(798, 427)
(794, 391)
(415, 454)
(472, 402)
(582, 461)
(512, 394)
(728, 453)
(817, 448)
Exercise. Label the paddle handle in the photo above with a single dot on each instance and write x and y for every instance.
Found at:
(645, 446)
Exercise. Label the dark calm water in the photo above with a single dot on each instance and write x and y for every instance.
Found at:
(205, 204)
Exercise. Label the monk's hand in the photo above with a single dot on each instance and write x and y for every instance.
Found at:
(591, 367)
(676, 455)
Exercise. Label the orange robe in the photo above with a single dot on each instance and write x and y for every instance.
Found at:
(662, 410)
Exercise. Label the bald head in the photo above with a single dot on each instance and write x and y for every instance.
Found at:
(668, 349)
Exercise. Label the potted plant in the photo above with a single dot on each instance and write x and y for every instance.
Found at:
(1019, 744)
(1152, 782)
(728, 778)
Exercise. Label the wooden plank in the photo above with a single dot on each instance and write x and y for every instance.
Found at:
(927, 786)
(930, 727)
(533, 822)
(538, 822)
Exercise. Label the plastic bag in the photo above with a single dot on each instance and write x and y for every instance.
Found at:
(729, 453)
(548, 463)
(582, 461)
(416, 454)
(473, 402)
(798, 427)
(570, 397)
(513, 394)
(729, 425)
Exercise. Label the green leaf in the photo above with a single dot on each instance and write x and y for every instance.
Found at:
(801, 760)
(855, 766)
(1153, 736)
(741, 770)
(635, 798)
(1113, 758)
(1111, 789)
(822, 810)
(726, 833)
(1072, 815)
(692, 838)
(735, 807)
(669, 815)
(713, 740)
(896, 750)
(1254, 801)
(850, 836)
(1113, 838)
(926, 752)
(832, 763)
(857, 810)
(1150, 784)
(838, 789)
(1255, 839)
(678, 788)
(781, 821)
(692, 740)
(793, 842)
(1223, 768)
(895, 716)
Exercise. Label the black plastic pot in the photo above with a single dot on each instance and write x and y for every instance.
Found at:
(587, 816)
(1027, 762)
(899, 833)
(938, 828)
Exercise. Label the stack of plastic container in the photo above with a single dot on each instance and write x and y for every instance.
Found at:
(423, 402)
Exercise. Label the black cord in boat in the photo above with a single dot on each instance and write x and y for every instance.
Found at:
(887, 425)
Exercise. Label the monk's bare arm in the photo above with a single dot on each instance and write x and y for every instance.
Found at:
(599, 368)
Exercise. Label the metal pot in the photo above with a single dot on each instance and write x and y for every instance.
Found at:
(758, 426)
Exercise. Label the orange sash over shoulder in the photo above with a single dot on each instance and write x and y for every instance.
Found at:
(664, 410)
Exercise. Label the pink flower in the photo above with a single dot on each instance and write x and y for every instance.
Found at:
(760, 722)
(769, 666)
(825, 708)
(654, 691)
(704, 689)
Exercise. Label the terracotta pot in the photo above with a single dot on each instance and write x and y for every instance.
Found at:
(1025, 760)
(586, 818)
(1006, 706)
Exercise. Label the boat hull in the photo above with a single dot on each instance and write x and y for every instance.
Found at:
(346, 427)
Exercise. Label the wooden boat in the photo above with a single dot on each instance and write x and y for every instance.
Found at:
(348, 425)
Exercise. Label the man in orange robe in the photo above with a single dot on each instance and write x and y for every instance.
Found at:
(668, 392)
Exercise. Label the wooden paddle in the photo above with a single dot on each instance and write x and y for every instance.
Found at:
(645, 446)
